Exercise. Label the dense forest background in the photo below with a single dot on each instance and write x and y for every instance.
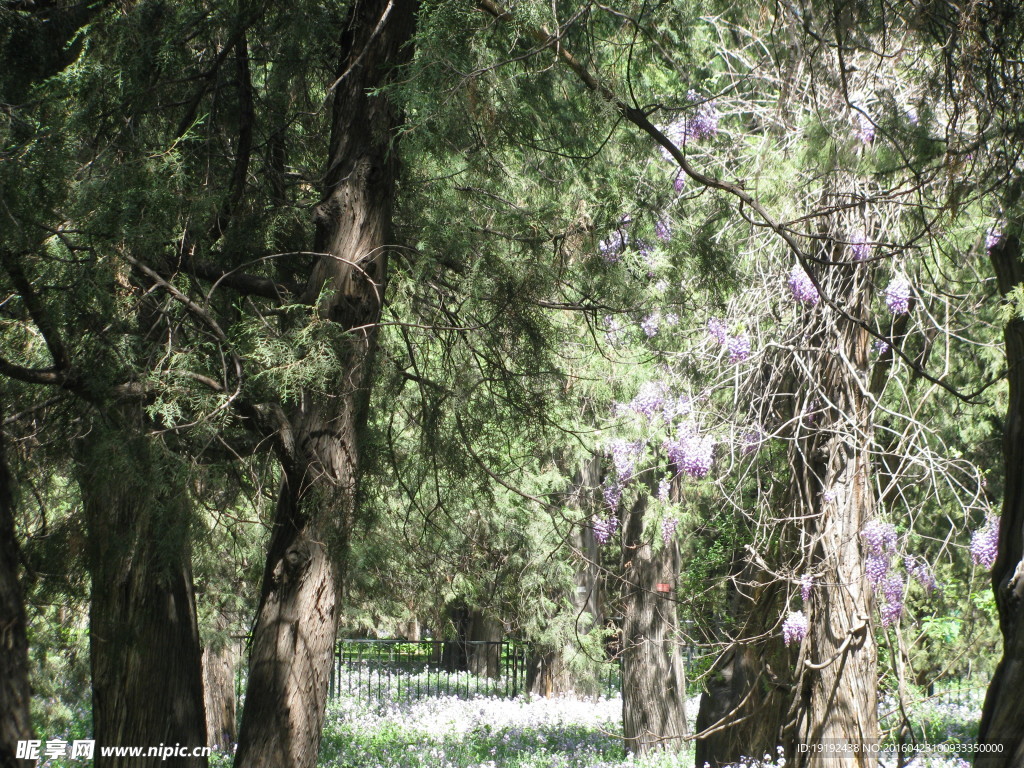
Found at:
(616, 329)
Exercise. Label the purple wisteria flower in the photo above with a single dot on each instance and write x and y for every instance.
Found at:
(704, 122)
(675, 407)
(717, 330)
(664, 486)
(897, 295)
(794, 628)
(650, 400)
(691, 454)
(801, 286)
(739, 347)
(919, 571)
(985, 544)
(679, 183)
(663, 230)
(860, 249)
(750, 441)
(668, 529)
(612, 496)
(806, 585)
(624, 455)
(892, 591)
(880, 537)
(651, 324)
(865, 128)
(604, 528)
(880, 346)
(612, 246)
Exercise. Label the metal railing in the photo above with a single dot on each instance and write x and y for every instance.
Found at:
(397, 669)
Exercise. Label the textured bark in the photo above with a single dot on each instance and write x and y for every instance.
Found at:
(825, 692)
(290, 657)
(15, 719)
(836, 699)
(748, 691)
(653, 676)
(219, 661)
(144, 640)
(484, 649)
(1002, 719)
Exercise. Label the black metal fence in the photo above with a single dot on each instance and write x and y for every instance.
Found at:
(397, 669)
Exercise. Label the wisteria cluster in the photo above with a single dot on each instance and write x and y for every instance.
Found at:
(806, 585)
(604, 528)
(919, 571)
(612, 494)
(880, 346)
(985, 544)
(897, 295)
(738, 346)
(865, 128)
(650, 324)
(860, 249)
(664, 485)
(650, 400)
(718, 330)
(663, 229)
(801, 286)
(691, 454)
(668, 529)
(794, 628)
(624, 455)
(881, 542)
(880, 536)
(892, 591)
(702, 124)
(750, 441)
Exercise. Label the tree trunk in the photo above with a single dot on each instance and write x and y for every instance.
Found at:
(15, 719)
(748, 690)
(653, 676)
(836, 695)
(1002, 718)
(290, 658)
(547, 670)
(144, 640)
(484, 647)
(220, 657)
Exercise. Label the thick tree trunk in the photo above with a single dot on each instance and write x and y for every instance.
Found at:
(144, 640)
(290, 658)
(653, 676)
(219, 661)
(484, 647)
(748, 691)
(15, 719)
(825, 693)
(836, 696)
(1002, 719)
